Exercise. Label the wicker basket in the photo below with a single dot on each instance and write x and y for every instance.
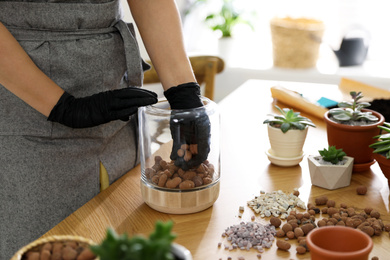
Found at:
(296, 42)
(18, 255)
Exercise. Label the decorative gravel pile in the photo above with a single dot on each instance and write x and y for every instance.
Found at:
(276, 203)
(247, 235)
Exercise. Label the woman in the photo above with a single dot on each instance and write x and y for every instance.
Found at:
(70, 73)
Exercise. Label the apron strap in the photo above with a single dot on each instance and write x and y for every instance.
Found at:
(134, 69)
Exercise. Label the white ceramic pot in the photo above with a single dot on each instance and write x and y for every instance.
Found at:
(286, 145)
(330, 177)
(227, 49)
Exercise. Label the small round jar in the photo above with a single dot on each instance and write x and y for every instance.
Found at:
(166, 187)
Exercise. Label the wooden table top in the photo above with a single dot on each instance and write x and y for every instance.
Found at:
(245, 171)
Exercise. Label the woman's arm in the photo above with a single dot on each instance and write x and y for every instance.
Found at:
(22, 77)
(159, 24)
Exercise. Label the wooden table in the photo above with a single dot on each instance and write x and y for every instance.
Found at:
(245, 171)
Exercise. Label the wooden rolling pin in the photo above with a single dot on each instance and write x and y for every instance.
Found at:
(295, 100)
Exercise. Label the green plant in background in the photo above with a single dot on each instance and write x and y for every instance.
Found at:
(226, 19)
(122, 247)
(332, 155)
(351, 111)
(288, 119)
(382, 145)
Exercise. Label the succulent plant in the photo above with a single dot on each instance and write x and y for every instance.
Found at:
(332, 154)
(351, 110)
(382, 145)
(122, 247)
(288, 119)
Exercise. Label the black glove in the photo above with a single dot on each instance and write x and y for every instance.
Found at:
(190, 131)
(100, 108)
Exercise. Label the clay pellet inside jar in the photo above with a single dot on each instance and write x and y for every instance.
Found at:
(168, 175)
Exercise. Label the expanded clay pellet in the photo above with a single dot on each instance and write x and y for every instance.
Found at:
(247, 235)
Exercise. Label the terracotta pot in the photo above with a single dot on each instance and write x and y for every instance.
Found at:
(338, 243)
(330, 177)
(354, 140)
(286, 145)
(384, 164)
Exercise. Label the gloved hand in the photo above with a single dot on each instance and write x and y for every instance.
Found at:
(190, 131)
(100, 108)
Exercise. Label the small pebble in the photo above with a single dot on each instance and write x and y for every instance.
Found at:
(361, 190)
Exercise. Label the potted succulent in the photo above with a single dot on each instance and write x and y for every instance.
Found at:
(287, 133)
(225, 20)
(351, 127)
(332, 169)
(381, 151)
(158, 245)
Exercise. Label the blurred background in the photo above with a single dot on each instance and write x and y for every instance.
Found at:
(239, 32)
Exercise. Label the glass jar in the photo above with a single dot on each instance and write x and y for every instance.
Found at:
(175, 181)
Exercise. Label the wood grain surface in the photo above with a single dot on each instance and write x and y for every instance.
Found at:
(245, 171)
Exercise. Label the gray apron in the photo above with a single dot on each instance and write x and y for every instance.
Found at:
(48, 170)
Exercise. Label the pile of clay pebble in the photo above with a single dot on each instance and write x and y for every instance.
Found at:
(298, 225)
(67, 250)
(167, 175)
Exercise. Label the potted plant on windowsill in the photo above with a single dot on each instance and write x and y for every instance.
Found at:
(351, 127)
(381, 151)
(226, 19)
(332, 169)
(287, 134)
(159, 245)
(223, 22)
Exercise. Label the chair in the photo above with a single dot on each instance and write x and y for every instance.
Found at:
(205, 68)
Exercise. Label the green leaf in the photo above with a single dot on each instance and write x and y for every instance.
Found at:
(157, 246)
(387, 129)
(289, 119)
(298, 125)
(384, 137)
(285, 127)
(382, 148)
(332, 155)
(379, 143)
(345, 104)
(342, 117)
